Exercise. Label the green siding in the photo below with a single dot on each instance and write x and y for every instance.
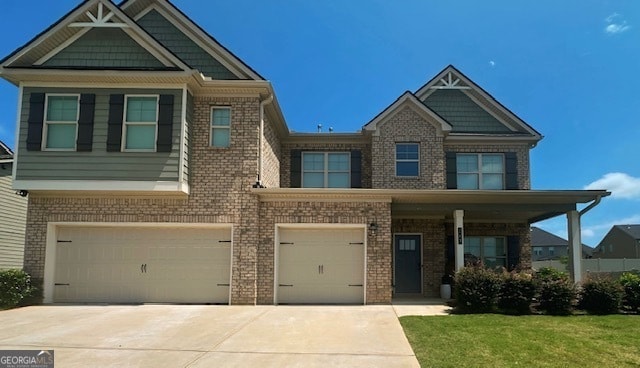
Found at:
(104, 48)
(181, 45)
(100, 164)
(464, 115)
(13, 220)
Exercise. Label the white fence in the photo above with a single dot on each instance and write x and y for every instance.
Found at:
(594, 265)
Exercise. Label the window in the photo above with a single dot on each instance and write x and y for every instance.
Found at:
(220, 127)
(407, 159)
(492, 251)
(480, 171)
(552, 251)
(537, 251)
(140, 123)
(326, 170)
(61, 122)
(407, 244)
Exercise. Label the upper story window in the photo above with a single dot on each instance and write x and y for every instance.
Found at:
(480, 171)
(326, 170)
(407, 159)
(220, 127)
(492, 251)
(61, 122)
(140, 123)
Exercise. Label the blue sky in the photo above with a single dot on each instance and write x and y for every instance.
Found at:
(569, 68)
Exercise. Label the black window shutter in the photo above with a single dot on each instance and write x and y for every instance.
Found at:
(114, 131)
(34, 124)
(356, 169)
(451, 250)
(296, 169)
(513, 252)
(511, 170)
(452, 175)
(85, 122)
(165, 123)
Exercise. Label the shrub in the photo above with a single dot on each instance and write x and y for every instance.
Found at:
(517, 291)
(476, 289)
(631, 299)
(601, 296)
(15, 285)
(555, 291)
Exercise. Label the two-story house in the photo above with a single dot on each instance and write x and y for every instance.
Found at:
(622, 241)
(160, 168)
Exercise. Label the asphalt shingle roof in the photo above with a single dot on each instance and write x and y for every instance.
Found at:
(633, 230)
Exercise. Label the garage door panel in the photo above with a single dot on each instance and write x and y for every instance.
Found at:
(130, 265)
(321, 265)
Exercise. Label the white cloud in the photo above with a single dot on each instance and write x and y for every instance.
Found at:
(492, 63)
(621, 185)
(615, 24)
(605, 226)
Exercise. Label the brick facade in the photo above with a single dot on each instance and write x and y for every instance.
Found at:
(407, 126)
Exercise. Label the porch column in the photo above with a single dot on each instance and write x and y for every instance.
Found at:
(458, 234)
(575, 245)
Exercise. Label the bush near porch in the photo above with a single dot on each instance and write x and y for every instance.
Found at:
(547, 291)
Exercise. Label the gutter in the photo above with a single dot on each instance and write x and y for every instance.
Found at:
(263, 103)
(592, 205)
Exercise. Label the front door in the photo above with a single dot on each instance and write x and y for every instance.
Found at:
(408, 265)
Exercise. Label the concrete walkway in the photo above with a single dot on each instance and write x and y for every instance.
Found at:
(420, 307)
(213, 336)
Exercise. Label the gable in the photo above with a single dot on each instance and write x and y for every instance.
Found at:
(184, 47)
(464, 115)
(104, 48)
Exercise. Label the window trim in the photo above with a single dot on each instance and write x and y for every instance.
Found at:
(325, 171)
(479, 171)
(125, 124)
(212, 127)
(396, 160)
(45, 122)
(482, 256)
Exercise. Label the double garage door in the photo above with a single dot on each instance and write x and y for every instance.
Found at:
(142, 265)
(320, 266)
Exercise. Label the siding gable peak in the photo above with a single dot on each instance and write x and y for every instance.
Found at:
(85, 22)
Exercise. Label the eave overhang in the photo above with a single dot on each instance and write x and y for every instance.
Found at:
(480, 206)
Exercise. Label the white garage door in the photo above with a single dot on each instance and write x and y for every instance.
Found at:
(320, 266)
(145, 264)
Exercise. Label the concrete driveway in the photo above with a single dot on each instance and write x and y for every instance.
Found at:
(210, 336)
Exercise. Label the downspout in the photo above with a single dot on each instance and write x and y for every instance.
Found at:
(590, 207)
(263, 103)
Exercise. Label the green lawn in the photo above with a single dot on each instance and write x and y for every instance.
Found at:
(490, 340)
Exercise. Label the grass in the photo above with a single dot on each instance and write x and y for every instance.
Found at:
(489, 340)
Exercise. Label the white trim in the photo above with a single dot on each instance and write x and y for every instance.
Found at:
(211, 126)
(311, 226)
(488, 111)
(395, 160)
(183, 133)
(52, 241)
(201, 39)
(62, 46)
(101, 185)
(421, 260)
(125, 123)
(45, 123)
(14, 169)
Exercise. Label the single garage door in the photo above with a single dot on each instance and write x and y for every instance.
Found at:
(142, 265)
(321, 266)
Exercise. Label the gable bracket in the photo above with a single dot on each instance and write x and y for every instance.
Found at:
(101, 20)
(449, 83)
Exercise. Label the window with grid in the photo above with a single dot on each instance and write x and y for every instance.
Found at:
(140, 123)
(61, 122)
(407, 159)
(491, 251)
(220, 127)
(537, 251)
(480, 171)
(326, 170)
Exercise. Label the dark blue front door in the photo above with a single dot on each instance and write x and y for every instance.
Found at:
(408, 265)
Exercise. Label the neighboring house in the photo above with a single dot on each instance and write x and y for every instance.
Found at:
(13, 215)
(160, 169)
(547, 246)
(622, 241)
